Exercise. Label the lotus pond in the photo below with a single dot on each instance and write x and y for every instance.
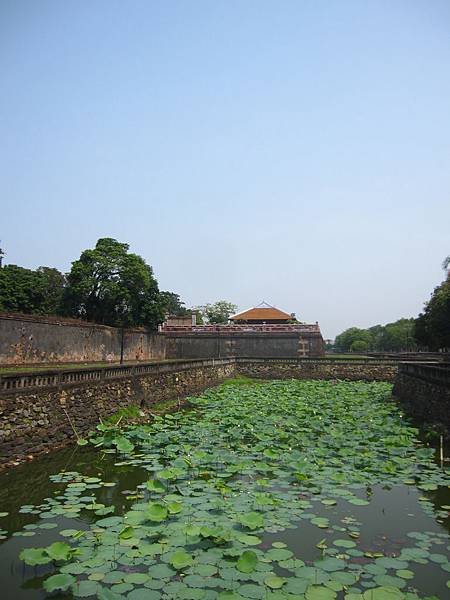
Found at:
(301, 490)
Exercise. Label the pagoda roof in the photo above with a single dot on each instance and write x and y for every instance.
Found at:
(262, 313)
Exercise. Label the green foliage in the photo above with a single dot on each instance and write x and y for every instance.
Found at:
(58, 551)
(344, 341)
(247, 562)
(112, 286)
(217, 313)
(393, 337)
(172, 304)
(432, 327)
(31, 292)
(359, 346)
(180, 560)
(59, 582)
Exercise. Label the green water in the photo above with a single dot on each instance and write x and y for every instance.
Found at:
(317, 462)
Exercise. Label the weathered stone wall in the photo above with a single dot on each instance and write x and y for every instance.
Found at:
(35, 420)
(369, 370)
(36, 340)
(251, 344)
(424, 392)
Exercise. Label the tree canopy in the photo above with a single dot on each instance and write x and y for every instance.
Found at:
(432, 327)
(31, 291)
(217, 313)
(173, 305)
(109, 285)
(393, 337)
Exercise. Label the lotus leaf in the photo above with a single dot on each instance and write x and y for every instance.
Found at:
(156, 512)
(319, 592)
(247, 562)
(252, 520)
(181, 559)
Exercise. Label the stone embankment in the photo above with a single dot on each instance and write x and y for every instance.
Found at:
(424, 392)
(43, 410)
(353, 370)
(39, 412)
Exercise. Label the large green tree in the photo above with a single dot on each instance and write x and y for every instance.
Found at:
(31, 292)
(110, 285)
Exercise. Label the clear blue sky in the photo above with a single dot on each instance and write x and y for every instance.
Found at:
(296, 152)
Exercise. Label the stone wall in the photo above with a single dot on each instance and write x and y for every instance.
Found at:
(246, 344)
(34, 420)
(369, 370)
(424, 392)
(33, 340)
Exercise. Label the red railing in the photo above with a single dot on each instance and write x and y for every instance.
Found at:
(240, 328)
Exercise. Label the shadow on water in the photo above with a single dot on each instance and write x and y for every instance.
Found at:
(30, 484)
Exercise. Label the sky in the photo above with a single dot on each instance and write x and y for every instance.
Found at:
(296, 152)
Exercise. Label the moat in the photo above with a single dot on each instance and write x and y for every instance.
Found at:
(310, 490)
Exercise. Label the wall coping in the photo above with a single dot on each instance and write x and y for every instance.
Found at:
(249, 328)
(68, 322)
(437, 372)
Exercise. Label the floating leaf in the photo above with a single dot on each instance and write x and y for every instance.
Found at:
(155, 486)
(174, 507)
(247, 562)
(156, 512)
(181, 559)
(274, 582)
(252, 520)
(34, 556)
(126, 533)
(59, 551)
(319, 592)
(58, 582)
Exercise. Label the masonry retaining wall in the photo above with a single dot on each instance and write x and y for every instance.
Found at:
(39, 417)
(36, 340)
(264, 344)
(424, 392)
(370, 370)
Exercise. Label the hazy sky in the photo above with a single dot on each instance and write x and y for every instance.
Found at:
(294, 152)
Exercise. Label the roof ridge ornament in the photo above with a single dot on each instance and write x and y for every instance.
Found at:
(265, 305)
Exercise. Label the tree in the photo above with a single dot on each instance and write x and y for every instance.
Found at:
(344, 341)
(53, 283)
(112, 286)
(173, 305)
(31, 292)
(397, 337)
(359, 346)
(432, 326)
(218, 313)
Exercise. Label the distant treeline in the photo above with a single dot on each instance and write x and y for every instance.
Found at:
(394, 337)
(429, 331)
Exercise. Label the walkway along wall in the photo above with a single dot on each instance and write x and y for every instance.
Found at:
(424, 392)
(39, 411)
